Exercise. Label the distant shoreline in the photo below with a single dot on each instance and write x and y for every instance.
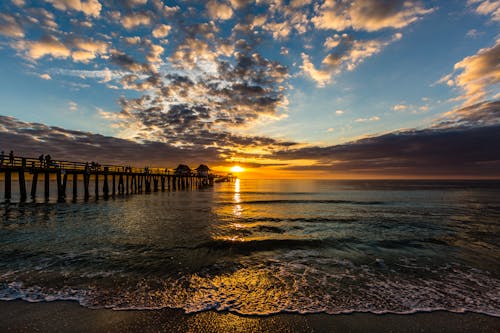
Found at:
(66, 316)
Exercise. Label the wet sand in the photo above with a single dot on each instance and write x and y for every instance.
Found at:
(19, 316)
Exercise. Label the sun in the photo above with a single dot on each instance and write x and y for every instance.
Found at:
(237, 168)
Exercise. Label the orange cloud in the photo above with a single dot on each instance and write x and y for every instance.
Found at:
(89, 7)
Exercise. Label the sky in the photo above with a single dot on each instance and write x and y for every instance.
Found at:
(285, 89)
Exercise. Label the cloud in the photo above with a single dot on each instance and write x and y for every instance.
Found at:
(127, 62)
(89, 7)
(45, 76)
(46, 46)
(485, 113)
(369, 15)
(134, 20)
(279, 30)
(364, 120)
(333, 41)
(133, 3)
(321, 77)
(473, 33)
(87, 49)
(31, 139)
(161, 31)
(299, 3)
(79, 49)
(354, 52)
(348, 55)
(238, 4)
(154, 54)
(10, 27)
(477, 75)
(400, 107)
(414, 153)
(218, 10)
(487, 7)
(372, 15)
(73, 106)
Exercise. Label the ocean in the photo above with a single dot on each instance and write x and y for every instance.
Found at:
(263, 247)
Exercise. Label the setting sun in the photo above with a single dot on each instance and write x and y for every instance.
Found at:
(237, 168)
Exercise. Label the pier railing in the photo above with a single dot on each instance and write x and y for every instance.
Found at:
(36, 163)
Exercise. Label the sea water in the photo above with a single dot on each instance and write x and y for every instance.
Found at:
(263, 247)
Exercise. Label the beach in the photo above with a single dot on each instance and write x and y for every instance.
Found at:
(19, 316)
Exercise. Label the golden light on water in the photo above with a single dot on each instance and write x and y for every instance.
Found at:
(237, 168)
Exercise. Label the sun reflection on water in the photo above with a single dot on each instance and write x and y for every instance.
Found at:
(237, 209)
(236, 196)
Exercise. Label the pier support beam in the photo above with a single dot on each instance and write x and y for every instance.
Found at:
(114, 185)
(86, 181)
(34, 182)
(60, 192)
(120, 184)
(46, 180)
(105, 187)
(8, 185)
(22, 186)
(75, 186)
(96, 190)
(127, 184)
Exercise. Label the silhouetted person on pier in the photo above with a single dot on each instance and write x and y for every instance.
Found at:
(40, 159)
(48, 160)
(11, 157)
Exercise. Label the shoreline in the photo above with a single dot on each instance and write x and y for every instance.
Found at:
(63, 316)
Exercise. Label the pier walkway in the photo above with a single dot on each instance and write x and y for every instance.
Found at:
(109, 180)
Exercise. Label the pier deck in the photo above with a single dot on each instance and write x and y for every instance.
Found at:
(109, 180)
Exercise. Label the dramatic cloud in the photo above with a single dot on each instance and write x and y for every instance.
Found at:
(31, 139)
(207, 76)
(193, 77)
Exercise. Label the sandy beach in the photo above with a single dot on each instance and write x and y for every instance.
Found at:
(19, 316)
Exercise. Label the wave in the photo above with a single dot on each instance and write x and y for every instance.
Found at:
(308, 201)
(277, 243)
(254, 245)
(304, 219)
(328, 286)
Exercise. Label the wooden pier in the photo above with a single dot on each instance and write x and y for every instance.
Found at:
(109, 180)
